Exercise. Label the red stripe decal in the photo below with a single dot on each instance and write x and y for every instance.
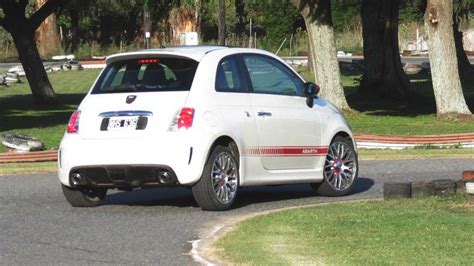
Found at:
(286, 151)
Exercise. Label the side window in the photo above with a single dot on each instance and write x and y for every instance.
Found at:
(228, 76)
(272, 77)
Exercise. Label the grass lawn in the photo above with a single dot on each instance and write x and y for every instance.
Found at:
(19, 115)
(429, 231)
(23, 168)
(415, 154)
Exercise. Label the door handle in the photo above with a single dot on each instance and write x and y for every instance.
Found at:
(263, 114)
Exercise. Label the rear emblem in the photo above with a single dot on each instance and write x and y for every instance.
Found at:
(130, 99)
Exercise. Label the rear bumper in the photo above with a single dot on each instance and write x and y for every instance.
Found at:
(132, 157)
(122, 176)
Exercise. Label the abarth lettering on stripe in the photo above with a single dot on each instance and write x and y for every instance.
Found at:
(286, 151)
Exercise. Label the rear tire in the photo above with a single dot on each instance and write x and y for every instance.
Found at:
(217, 188)
(86, 197)
(341, 169)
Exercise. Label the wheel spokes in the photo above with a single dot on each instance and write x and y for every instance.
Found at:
(340, 166)
(224, 177)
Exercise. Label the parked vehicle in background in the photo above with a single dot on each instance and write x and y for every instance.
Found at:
(210, 118)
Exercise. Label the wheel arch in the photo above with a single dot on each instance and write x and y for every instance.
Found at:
(227, 141)
(347, 136)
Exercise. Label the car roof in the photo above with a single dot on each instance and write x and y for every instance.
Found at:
(193, 52)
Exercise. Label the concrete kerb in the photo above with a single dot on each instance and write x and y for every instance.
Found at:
(202, 250)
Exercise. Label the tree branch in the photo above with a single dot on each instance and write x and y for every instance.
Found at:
(42, 13)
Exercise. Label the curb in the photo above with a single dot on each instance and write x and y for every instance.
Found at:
(465, 140)
(36, 156)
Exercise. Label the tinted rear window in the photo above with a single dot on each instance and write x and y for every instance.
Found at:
(146, 75)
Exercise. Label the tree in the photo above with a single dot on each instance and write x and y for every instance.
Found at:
(317, 16)
(240, 16)
(221, 20)
(47, 35)
(183, 18)
(444, 64)
(23, 29)
(383, 73)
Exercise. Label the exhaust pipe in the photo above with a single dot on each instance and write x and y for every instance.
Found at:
(165, 177)
(77, 179)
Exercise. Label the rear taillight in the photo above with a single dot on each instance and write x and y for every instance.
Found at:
(73, 124)
(183, 119)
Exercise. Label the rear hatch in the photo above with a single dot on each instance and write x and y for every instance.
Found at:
(136, 97)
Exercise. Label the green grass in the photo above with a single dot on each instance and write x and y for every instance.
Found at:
(415, 154)
(18, 113)
(429, 231)
(407, 125)
(22, 168)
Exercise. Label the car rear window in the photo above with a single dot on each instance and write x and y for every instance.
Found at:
(147, 75)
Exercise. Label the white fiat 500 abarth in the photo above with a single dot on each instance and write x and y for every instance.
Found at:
(210, 118)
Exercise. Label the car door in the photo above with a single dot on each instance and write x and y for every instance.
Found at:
(235, 109)
(289, 132)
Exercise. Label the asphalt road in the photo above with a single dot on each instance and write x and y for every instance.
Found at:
(37, 226)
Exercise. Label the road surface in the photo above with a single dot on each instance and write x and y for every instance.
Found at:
(37, 226)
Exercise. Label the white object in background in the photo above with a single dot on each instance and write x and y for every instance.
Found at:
(470, 187)
(147, 34)
(63, 57)
(58, 57)
(189, 38)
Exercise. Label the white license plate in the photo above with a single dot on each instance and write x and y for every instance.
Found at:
(122, 122)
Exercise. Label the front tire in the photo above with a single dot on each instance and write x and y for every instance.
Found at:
(217, 188)
(86, 197)
(340, 169)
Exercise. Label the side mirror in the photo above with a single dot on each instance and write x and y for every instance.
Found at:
(311, 90)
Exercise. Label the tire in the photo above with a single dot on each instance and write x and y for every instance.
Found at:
(86, 197)
(217, 188)
(340, 169)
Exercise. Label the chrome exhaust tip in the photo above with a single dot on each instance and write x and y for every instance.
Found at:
(164, 177)
(77, 179)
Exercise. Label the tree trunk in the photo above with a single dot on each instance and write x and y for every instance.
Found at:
(383, 74)
(221, 19)
(197, 14)
(147, 26)
(74, 30)
(41, 88)
(47, 35)
(182, 19)
(444, 64)
(240, 14)
(323, 50)
(464, 65)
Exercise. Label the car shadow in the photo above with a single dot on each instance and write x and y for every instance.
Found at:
(264, 194)
(183, 197)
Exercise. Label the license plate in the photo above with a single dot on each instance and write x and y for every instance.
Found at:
(119, 123)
